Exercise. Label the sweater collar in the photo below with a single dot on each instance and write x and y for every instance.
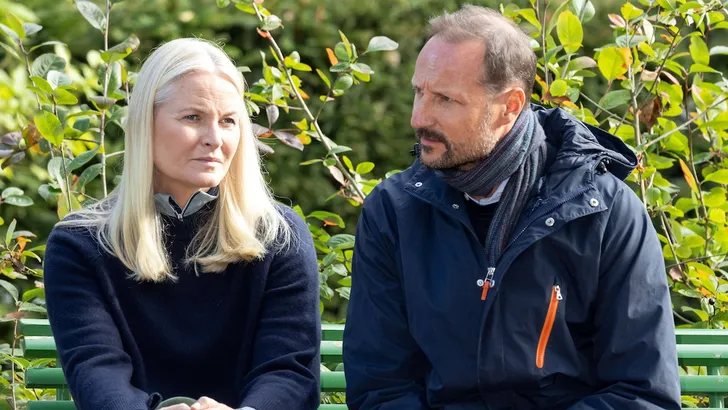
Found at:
(166, 205)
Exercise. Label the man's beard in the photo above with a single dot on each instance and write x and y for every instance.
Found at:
(463, 155)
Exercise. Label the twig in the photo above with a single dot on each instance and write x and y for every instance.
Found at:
(107, 75)
(354, 184)
(609, 113)
(684, 319)
(698, 259)
(668, 233)
(27, 66)
(82, 139)
(543, 39)
(636, 122)
(68, 182)
(685, 124)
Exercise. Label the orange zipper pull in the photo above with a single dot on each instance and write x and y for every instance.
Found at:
(488, 283)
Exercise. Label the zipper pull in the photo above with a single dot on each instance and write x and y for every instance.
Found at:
(557, 288)
(488, 283)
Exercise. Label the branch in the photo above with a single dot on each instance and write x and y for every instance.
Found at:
(668, 233)
(609, 113)
(107, 74)
(354, 184)
(684, 125)
(698, 259)
(543, 39)
(27, 66)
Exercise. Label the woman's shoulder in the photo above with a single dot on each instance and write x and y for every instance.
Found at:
(73, 235)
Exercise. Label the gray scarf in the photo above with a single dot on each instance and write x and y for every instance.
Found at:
(519, 156)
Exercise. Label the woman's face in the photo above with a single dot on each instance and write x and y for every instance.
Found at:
(196, 134)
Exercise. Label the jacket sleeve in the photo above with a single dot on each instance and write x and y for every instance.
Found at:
(385, 369)
(97, 368)
(634, 344)
(286, 351)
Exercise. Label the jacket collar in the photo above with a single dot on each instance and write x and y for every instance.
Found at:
(166, 205)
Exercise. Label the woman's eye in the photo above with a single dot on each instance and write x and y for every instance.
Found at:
(229, 121)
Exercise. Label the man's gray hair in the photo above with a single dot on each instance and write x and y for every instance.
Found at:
(509, 59)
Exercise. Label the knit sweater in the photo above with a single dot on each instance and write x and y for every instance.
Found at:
(248, 336)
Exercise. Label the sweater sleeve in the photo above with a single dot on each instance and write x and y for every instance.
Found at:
(286, 362)
(97, 368)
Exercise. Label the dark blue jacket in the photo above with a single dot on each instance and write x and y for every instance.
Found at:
(579, 315)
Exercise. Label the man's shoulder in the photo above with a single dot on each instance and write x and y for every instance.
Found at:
(391, 191)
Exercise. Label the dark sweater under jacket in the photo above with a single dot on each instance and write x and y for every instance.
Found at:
(248, 336)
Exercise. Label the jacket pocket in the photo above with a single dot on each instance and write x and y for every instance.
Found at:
(548, 324)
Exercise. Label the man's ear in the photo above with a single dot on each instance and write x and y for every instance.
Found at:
(515, 99)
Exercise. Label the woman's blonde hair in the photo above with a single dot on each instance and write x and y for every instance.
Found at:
(246, 221)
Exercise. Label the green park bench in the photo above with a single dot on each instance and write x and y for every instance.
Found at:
(705, 348)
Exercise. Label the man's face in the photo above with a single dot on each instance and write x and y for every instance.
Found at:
(451, 114)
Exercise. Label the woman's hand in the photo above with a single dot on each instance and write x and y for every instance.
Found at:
(206, 403)
(176, 407)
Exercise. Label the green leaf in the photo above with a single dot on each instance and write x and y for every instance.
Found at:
(558, 88)
(615, 98)
(82, 159)
(570, 32)
(33, 293)
(341, 242)
(49, 127)
(699, 51)
(45, 63)
(88, 175)
(12, 34)
(9, 233)
(630, 41)
(57, 79)
(719, 50)
(223, 3)
(63, 97)
(340, 67)
(324, 78)
(10, 50)
(12, 290)
(11, 191)
(716, 215)
(381, 43)
(311, 162)
(270, 23)
(611, 63)
(530, 16)
(15, 25)
(341, 52)
(720, 176)
(18, 200)
(581, 63)
(32, 307)
(364, 168)
(121, 50)
(102, 103)
(46, 43)
(328, 217)
(700, 68)
(339, 149)
(345, 282)
(584, 9)
(344, 82)
(362, 68)
(716, 197)
(92, 13)
(31, 28)
(629, 11)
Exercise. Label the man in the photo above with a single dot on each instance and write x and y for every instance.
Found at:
(509, 267)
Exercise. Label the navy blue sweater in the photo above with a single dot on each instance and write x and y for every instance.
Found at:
(249, 336)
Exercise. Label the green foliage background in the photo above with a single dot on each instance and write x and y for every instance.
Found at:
(601, 62)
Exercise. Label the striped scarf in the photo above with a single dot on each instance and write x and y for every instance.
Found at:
(519, 156)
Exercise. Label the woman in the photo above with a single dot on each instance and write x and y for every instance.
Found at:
(188, 280)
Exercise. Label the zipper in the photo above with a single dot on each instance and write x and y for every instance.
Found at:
(548, 324)
(489, 282)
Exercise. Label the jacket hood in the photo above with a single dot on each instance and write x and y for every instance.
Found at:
(577, 142)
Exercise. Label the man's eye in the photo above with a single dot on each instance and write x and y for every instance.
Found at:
(192, 117)
(445, 98)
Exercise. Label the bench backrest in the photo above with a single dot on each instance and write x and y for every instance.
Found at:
(701, 354)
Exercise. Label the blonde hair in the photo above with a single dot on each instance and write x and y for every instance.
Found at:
(246, 221)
